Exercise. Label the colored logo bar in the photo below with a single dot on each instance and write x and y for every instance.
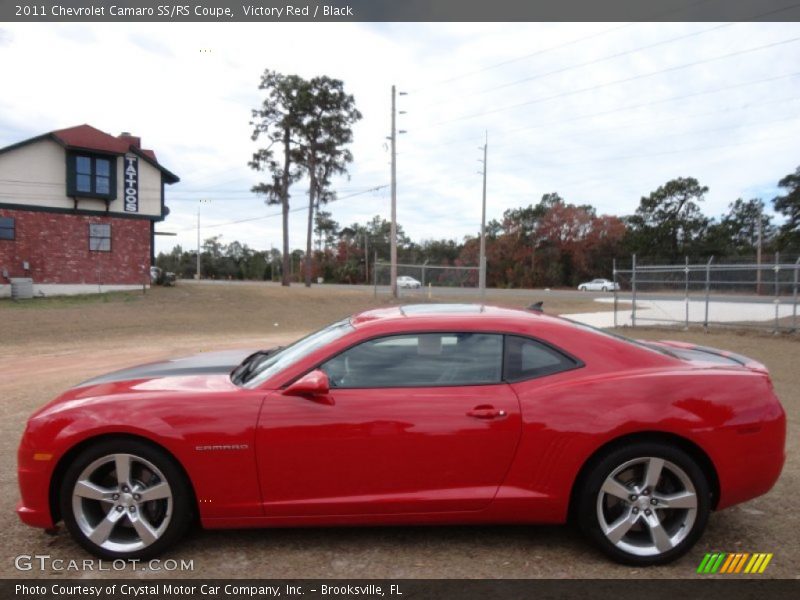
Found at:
(734, 562)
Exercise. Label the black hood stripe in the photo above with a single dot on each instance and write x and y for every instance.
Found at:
(209, 363)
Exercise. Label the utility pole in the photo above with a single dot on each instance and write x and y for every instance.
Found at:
(366, 257)
(758, 253)
(197, 274)
(271, 265)
(482, 261)
(199, 202)
(393, 233)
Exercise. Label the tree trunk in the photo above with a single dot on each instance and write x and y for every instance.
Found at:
(312, 194)
(285, 271)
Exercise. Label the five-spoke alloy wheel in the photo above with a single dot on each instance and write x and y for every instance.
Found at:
(645, 504)
(125, 499)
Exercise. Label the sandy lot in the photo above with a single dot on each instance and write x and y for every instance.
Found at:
(50, 344)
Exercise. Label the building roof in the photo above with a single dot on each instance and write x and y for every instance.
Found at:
(86, 137)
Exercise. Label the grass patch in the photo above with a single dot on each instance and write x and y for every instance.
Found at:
(50, 302)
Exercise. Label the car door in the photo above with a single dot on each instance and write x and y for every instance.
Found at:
(413, 423)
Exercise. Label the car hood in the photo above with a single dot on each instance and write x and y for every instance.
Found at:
(207, 363)
(188, 378)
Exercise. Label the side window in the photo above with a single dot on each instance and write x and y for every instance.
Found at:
(419, 360)
(526, 358)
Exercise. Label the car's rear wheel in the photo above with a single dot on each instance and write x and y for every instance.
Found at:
(125, 499)
(644, 504)
(605, 288)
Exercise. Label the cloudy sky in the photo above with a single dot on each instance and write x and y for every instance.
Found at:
(602, 113)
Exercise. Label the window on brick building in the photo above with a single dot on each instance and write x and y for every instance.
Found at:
(100, 237)
(93, 176)
(6, 228)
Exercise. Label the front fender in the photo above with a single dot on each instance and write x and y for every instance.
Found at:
(210, 436)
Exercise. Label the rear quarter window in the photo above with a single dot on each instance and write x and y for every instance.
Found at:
(526, 358)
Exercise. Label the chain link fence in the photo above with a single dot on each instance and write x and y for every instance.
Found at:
(727, 292)
(424, 278)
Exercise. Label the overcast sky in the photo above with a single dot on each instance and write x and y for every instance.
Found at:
(602, 113)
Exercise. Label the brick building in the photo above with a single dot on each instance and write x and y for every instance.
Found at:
(78, 209)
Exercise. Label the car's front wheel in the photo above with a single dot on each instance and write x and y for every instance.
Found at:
(125, 499)
(644, 504)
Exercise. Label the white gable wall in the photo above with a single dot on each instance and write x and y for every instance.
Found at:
(35, 174)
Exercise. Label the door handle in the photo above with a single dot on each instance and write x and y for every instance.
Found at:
(486, 412)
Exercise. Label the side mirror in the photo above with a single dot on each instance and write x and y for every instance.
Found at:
(312, 384)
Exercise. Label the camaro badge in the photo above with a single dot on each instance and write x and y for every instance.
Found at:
(208, 447)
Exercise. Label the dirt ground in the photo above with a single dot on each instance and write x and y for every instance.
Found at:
(47, 345)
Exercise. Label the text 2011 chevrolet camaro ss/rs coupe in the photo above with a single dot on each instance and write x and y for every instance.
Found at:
(424, 414)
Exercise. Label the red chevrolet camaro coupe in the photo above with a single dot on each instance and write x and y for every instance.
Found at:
(421, 414)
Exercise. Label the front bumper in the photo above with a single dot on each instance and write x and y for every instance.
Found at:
(35, 517)
(33, 475)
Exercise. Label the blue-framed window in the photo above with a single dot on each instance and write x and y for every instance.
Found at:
(7, 230)
(92, 175)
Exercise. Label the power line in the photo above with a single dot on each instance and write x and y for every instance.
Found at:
(500, 173)
(655, 17)
(590, 62)
(246, 194)
(792, 117)
(617, 82)
(278, 214)
(520, 58)
(628, 107)
(604, 58)
(171, 194)
(684, 150)
(662, 153)
(719, 111)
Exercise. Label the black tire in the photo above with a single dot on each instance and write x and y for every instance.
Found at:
(589, 505)
(180, 515)
(605, 289)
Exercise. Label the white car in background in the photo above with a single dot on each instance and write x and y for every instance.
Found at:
(598, 285)
(404, 281)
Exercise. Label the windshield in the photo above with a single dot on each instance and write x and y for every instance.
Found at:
(270, 364)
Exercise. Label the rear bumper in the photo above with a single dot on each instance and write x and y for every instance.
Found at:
(751, 460)
(753, 476)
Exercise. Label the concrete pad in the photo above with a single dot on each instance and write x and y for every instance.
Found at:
(655, 312)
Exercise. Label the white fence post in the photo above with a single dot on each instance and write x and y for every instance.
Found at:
(708, 291)
(794, 303)
(614, 279)
(777, 293)
(633, 292)
(686, 293)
